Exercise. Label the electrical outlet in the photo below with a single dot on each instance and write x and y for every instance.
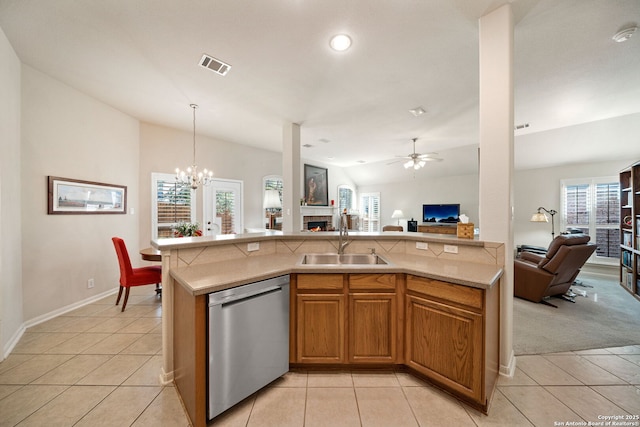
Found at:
(90, 283)
(451, 249)
(253, 247)
(422, 246)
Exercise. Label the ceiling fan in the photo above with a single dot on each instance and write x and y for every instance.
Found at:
(417, 160)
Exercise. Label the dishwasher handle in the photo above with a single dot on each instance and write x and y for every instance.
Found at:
(245, 296)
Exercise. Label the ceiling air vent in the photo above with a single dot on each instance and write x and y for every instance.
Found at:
(214, 65)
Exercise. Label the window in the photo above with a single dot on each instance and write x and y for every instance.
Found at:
(170, 205)
(370, 210)
(592, 205)
(345, 198)
(273, 216)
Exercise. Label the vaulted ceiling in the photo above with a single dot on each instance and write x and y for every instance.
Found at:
(578, 90)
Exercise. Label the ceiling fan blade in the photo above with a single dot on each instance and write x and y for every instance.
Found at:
(430, 157)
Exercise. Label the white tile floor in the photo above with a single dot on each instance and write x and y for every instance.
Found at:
(97, 366)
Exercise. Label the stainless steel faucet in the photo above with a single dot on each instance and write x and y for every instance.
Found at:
(344, 234)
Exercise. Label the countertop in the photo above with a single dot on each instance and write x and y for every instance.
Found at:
(206, 278)
(225, 239)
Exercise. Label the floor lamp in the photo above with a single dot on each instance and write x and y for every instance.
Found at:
(271, 203)
(542, 217)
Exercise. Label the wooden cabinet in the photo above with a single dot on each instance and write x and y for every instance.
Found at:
(373, 318)
(320, 319)
(630, 229)
(451, 336)
(439, 229)
(445, 332)
(350, 318)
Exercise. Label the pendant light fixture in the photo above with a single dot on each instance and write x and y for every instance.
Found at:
(191, 176)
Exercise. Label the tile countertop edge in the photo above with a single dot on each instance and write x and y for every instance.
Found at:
(206, 278)
(225, 239)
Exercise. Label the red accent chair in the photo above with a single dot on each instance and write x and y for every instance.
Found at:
(134, 276)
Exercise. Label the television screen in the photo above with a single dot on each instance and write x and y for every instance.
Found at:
(446, 214)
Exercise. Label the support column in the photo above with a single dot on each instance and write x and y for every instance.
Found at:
(166, 376)
(291, 177)
(496, 158)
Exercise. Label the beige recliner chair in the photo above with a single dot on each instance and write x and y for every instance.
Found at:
(538, 276)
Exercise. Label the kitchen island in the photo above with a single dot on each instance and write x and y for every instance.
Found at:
(430, 311)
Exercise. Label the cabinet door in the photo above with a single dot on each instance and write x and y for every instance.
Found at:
(445, 343)
(372, 328)
(320, 328)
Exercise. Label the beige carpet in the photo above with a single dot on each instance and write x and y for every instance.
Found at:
(608, 317)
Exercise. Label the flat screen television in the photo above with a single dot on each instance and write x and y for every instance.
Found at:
(441, 214)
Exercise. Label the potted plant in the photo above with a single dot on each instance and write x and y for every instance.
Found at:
(187, 229)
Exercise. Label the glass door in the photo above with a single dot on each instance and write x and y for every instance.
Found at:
(223, 207)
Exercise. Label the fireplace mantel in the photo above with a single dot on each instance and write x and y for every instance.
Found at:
(317, 210)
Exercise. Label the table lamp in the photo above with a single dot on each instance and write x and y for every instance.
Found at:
(397, 214)
(272, 202)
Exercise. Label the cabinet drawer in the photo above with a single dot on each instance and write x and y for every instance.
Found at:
(320, 281)
(464, 295)
(372, 281)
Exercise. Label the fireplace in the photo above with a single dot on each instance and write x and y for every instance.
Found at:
(314, 225)
(325, 222)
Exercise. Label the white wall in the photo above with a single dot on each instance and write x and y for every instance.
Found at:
(66, 133)
(164, 149)
(11, 316)
(541, 187)
(411, 195)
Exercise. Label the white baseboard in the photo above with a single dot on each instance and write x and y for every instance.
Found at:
(606, 271)
(8, 348)
(166, 378)
(510, 368)
(68, 308)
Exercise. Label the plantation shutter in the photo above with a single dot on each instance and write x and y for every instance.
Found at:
(370, 208)
(172, 204)
(592, 206)
(577, 205)
(608, 219)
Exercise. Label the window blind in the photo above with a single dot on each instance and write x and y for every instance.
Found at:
(370, 208)
(172, 204)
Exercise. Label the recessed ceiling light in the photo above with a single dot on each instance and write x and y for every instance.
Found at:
(324, 140)
(418, 111)
(624, 35)
(307, 145)
(340, 42)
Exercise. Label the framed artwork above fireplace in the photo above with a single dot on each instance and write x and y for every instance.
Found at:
(316, 191)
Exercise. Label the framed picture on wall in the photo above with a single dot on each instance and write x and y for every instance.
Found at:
(315, 186)
(72, 196)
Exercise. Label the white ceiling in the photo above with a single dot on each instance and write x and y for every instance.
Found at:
(141, 57)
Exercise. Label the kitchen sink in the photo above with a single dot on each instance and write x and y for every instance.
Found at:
(343, 259)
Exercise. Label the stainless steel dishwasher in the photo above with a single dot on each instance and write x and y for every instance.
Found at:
(248, 340)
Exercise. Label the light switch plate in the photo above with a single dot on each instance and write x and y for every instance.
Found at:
(422, 246)
(253, 247)
(451, 249)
